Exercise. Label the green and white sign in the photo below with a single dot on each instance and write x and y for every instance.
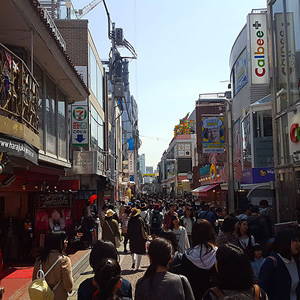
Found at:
(80, 129)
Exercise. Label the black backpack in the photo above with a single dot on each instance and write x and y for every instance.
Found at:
(156, 220)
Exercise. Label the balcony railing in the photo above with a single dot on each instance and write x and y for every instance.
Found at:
(19, 91)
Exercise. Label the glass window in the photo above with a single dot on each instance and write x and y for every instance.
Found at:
(99, 86)
(100, 133)
(93, 71)
(263, 139)
(50, 117)
(283, 140)
(94, 125)
(246, 143)
(62, 132)
(293, 33)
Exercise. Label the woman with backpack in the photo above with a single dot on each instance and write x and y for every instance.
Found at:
(198, 263)
(234, 276)
(280, 273)
(158, 283)
(54, 260)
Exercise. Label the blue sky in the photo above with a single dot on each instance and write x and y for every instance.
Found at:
(183, 50)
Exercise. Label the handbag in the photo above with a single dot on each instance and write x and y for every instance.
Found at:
(117, 240)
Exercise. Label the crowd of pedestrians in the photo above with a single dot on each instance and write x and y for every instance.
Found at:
(194, 253)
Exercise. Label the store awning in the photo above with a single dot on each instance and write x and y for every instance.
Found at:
(202, 190)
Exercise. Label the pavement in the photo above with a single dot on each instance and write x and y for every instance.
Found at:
(17, 289)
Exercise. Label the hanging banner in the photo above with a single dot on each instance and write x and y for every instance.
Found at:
(213, 134)
(131, 163)
(258, 48)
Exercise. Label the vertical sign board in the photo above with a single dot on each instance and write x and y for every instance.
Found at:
(80, 132)
(130, 163)
(282, 48)
(213, 134)
(258, 48)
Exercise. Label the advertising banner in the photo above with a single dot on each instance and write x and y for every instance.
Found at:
(258, 48)
(213, 134)
(240, 72)
(281, 50)
(130, 163)
(80, 130)
(258, 175)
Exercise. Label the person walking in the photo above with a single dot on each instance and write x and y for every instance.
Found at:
(181, 235)
(188, 221)
(156, 221)
(245, 239)
(137, 237)
(169, 215)
(53, 255)
(110, 228)
(234, 276)
(228, 232)
(124, 226)
(279, 275)
(102, 250)
(198, 263)
(158, 283)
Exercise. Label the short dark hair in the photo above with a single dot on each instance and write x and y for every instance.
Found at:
(169, 235)
(234, 268)
(102, 250)
(228, 224)
(282, 243)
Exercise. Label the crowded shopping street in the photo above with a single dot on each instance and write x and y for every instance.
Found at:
(149, 150)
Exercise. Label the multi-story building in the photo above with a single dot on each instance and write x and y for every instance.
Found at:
(252, 112)
(178, 160)
(38, 83)
(284, 17)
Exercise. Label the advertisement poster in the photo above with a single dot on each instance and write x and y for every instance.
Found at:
(240, 72)
(213, 134)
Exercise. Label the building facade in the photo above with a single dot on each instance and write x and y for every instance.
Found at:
(40, 82)
(252, 113)
(284, 16)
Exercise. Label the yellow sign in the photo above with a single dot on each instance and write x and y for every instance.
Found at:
(149, 175)
(212, 172)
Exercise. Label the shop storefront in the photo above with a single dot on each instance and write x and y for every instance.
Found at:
(285, 70)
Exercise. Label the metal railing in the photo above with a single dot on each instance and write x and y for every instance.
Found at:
(19, 91)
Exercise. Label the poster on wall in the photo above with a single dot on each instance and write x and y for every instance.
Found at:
(213, 134)
(240, 72)
(131, 162)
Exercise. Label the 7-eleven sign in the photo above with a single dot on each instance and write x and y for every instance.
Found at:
(79, 113)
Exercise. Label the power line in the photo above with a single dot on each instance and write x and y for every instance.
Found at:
(156, 138)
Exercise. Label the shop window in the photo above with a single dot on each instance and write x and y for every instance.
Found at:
(283, 140)
(99, 86)
(94, 133)
(246, 143)
(100, 133)
(62, 132)
(263, 139)
(93, 71)
(50, 117)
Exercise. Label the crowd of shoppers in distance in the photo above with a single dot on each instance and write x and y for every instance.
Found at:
(194, 253)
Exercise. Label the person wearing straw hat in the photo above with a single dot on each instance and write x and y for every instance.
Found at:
(137, 236)
(110, 227)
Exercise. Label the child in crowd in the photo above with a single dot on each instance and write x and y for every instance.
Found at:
(258, 260)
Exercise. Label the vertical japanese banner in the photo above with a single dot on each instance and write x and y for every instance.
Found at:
(80, 133)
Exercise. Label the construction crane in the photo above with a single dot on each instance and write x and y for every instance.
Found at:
(80, 13)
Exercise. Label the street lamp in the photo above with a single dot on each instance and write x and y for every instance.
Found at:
(224, 98)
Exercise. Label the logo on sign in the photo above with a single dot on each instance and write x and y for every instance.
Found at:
(79, 113)
(295, 133)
